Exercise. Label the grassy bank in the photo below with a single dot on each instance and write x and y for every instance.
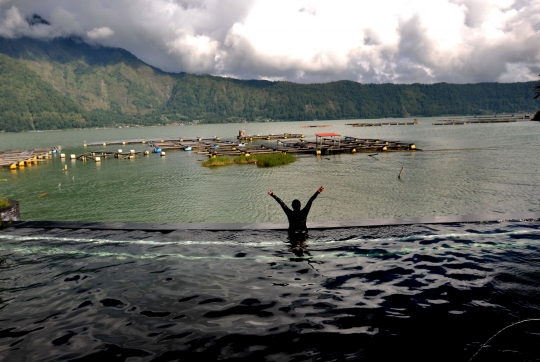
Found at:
(261, 160)
(3, 202)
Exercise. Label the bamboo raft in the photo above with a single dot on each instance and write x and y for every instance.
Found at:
(450, 122)
(316, 126)
(147, 141)
(481, 120)
(243, 137)
(383, 124)
(20, 158)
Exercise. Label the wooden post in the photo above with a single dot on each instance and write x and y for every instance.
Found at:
(400, 172)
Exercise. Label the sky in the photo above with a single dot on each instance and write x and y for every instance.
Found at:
(383, 41)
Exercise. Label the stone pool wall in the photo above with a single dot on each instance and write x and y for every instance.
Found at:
(10, 213)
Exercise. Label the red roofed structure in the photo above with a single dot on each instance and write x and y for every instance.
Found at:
(326, 134)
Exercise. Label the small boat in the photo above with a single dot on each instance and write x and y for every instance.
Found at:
(241, 145)
(188, 148)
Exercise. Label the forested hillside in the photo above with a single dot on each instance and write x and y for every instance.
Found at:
(66, 83)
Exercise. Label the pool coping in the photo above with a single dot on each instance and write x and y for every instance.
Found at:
(168, 227)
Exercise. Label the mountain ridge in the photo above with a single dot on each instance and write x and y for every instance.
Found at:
(72, 84)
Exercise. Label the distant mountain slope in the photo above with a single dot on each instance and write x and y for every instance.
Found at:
(28, 102)
(67, 83)
(204, 97)
(95, 77)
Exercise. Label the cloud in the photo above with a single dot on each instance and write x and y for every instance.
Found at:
(431, 41)
(100, 33)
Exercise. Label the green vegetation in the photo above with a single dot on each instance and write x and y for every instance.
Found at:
(537, 89)
(4, 202)
(66, 83)
(261, 160)
(218, 161)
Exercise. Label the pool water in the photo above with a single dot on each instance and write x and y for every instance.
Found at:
(414, 292)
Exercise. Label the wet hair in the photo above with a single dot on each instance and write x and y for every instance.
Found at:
(296, 205)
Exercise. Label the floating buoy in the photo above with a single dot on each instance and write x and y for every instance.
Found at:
(62, 155)
(73, 157)
(13, 166)
(318, 152)
(353, 150)
(65, 168)
(132, 151)
(21, 163)
(146, 153)
(162, 154)
(385, 148)
(119, 150)
(97, 159)
(413, 147)
(125, 143)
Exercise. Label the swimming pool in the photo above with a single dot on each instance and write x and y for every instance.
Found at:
(417, 292)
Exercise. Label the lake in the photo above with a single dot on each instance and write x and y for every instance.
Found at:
(462, 170)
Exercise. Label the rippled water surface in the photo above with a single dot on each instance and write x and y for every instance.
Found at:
(423, 293)
(472, 169)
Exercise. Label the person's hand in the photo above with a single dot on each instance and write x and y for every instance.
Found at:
(321, 189)
(270, 192)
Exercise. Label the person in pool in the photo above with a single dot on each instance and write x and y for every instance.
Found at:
(297, 216)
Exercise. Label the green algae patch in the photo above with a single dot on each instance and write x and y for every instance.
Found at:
(4, 202)
(218, 161)
(261, 160)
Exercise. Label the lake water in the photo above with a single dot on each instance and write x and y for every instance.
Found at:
(452, 292)
(471, 169)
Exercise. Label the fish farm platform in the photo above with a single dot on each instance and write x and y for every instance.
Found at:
(369, 124)
(20, 158)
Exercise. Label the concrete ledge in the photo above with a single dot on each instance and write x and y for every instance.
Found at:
(10, 213)
(275, 226)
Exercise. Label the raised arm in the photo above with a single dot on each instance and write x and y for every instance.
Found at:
(308, 205)
(283, 206)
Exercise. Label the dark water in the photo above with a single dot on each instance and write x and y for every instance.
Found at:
(422, 293)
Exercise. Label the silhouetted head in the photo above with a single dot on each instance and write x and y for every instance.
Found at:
(296, 205)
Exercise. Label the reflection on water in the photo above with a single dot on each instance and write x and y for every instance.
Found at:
(410, 292)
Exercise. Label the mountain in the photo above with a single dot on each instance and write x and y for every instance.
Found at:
(67, 83)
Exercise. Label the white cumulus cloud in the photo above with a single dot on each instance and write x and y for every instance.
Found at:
(100, 33)
(427, 41)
